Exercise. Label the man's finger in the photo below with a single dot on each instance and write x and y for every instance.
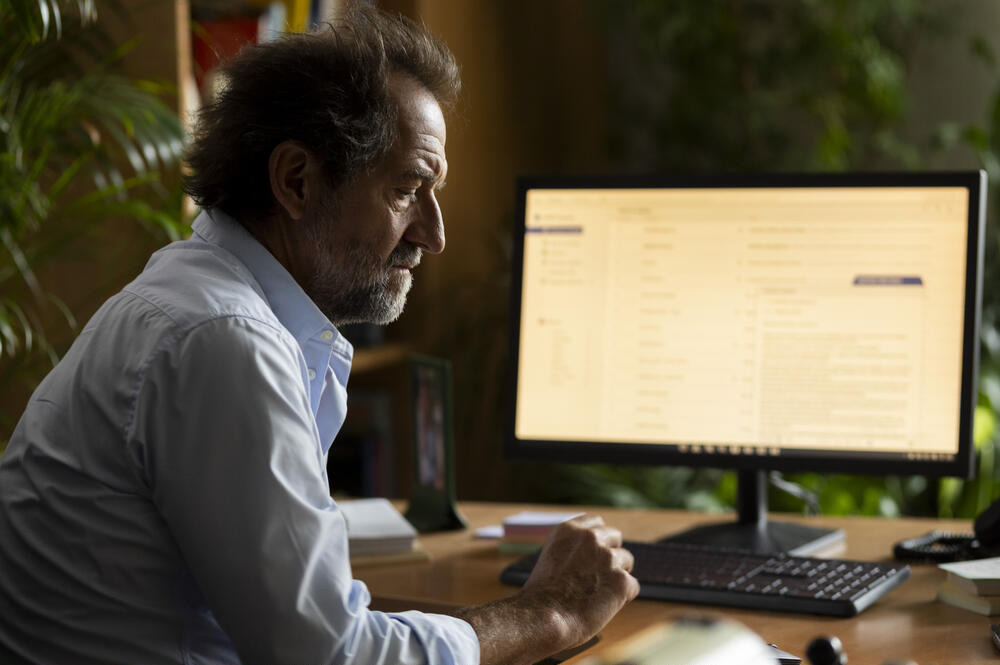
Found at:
(624, 559)
(587, 521)
(608, 536)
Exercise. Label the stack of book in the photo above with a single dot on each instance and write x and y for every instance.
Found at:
(378, 533)
(526, 531)
(972, 585)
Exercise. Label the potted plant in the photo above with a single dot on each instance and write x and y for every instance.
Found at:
(79, 144)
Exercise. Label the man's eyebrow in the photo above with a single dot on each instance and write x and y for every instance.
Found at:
(419, 173)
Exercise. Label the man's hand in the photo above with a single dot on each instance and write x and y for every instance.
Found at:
(580, 582)
(583, 576)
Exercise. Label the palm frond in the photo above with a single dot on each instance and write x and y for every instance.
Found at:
(79, 144)
(21, 262)
(9, 340)
(43, 19)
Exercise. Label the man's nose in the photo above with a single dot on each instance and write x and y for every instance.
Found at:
(427, 230)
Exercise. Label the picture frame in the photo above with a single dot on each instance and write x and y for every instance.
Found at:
(432, 500)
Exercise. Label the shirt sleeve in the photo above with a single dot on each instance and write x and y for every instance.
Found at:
(232, 457)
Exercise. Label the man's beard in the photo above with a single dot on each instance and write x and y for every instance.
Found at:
(359, 288)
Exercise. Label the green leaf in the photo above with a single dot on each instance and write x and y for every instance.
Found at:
(45, 12)
(68, 316)
(25, 18)
(26, 330)
(981, 48)
(56, 17)
(8, 339)
(984, 426)
(21, 262)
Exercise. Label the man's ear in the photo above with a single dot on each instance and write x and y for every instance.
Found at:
(289, 168)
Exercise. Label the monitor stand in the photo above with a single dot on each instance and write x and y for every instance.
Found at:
(753, 531)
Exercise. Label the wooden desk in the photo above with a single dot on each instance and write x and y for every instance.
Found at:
(906, 623)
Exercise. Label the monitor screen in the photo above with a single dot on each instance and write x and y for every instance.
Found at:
(798, 322)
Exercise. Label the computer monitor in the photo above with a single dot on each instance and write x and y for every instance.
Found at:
(811, 322)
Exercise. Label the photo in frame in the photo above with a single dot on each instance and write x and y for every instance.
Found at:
(432, 501)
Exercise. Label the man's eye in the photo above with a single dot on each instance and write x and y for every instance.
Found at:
(408, 194)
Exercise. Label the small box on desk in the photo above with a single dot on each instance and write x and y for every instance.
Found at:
(527, 531)
(972, 585)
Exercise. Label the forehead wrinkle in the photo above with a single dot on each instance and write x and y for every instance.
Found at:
(432, 166)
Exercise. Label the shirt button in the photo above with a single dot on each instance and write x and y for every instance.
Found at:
(312, 374)
(326, 335)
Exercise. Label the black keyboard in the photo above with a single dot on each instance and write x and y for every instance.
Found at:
(717, 576)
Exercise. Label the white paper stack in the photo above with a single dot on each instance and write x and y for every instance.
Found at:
(374, 526)
(972, 585)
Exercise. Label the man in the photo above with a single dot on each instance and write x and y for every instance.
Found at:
(164, 497)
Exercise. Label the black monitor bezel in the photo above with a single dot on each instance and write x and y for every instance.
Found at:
(960, 465)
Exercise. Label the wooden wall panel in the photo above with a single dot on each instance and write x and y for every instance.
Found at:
(532, 103)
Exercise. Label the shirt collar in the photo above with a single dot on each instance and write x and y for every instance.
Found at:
(290, 304)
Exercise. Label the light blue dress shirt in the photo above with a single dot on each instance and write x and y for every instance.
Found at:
(164, 497)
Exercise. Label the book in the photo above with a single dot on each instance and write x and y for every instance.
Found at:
(533, 526)
(980, 576)
(951, 593)
(507, 547)
(527, 531)
(297, 15)
(375, 527)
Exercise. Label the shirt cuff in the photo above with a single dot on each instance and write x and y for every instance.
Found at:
(447, 640)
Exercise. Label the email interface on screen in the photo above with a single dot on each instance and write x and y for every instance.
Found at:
(746, 320)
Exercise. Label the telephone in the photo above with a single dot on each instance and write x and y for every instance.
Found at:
(938, 546)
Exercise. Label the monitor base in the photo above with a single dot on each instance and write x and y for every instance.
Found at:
(765, 537)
